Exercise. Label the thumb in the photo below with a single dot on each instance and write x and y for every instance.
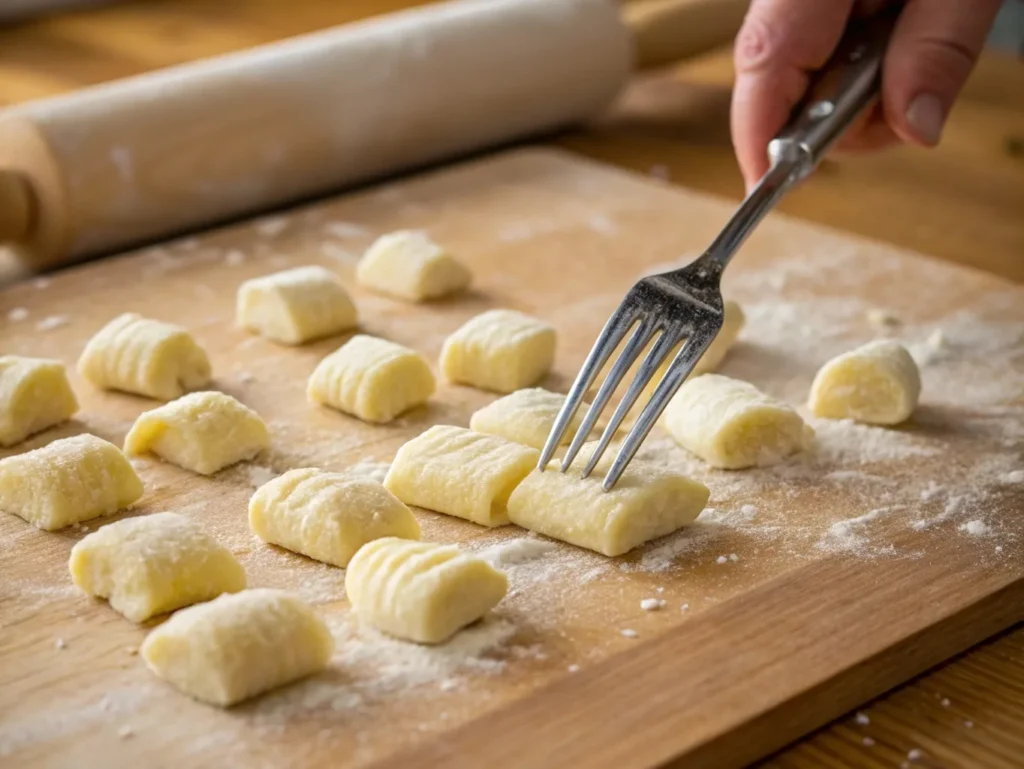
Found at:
(932, 51)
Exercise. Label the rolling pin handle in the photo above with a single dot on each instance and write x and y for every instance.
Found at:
(16, 206)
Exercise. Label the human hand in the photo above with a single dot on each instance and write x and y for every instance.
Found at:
(932, 51)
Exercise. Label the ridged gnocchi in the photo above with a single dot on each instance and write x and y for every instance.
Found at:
(34, 395)
(146, 357)
(67, 482)
(525, 417)
(238, 645)
(202, 432)
(154, 564)
(460, 472)
(730, 424)
(295, 306)
(499, 350)
(647, 502)
(409, 265)
(421, 591)
(877, 383)
(327, 516)
(372, 379)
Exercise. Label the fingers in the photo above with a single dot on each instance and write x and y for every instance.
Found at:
(780, 41)
(933, 49)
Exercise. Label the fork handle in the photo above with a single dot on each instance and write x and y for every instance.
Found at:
(838, 93)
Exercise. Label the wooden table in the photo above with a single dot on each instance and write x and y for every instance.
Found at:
(962, 202)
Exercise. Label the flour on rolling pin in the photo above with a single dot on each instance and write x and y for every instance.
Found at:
(142, 158)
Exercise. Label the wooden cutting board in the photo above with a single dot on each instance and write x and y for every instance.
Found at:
(803, 591)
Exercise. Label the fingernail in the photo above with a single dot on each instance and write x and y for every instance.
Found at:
(926, 116)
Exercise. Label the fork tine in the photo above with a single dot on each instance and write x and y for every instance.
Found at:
(681, 367)
(666, 342)
(641, 336)
(613, 332)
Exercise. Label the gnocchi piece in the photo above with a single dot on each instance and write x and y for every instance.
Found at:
(34, 394)
(731, 424)
(238, 645)
(421, 591)
(67, 482)
(499, 350)
(733, 321)
(878, 383)
(409, 265)
(525, 416)
(154, 564)
(295, 306)
(372, 379)
(647, 502)
(459, 472)
(146, 357)
(327, 516)
(202, 432)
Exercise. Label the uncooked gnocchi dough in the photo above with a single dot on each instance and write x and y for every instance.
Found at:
(732, 324)
(68, 481)
(371, 378)
(327, 516)
(499, 350)
(409, 265)
(154, 564)
(647, 502)
(239, 645)
(878, 384)
(421, 591)
(145, 357)
(295, 306)
(202, 432)
(34, 394)
(731, 424)
(525, 416)
(460, 472)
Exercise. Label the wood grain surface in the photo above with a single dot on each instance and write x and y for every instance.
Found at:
(795, 608)
(960, 202)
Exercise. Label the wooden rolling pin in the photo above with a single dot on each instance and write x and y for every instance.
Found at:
(140, 159)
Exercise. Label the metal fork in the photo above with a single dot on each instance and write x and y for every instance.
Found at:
(685, 306)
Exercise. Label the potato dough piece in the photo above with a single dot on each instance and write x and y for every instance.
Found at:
(525, 416)
(647, 502)
(327, 516)
(202, 432)
(421, 591)
(372, 379)
(731, 424)
(67, 481)
(732, 323)
(409, 265)
(145, 357)
(295, 306)
(239, 645)
(34, 394)
(878, 383)
(154, 564)
(459, 472)
(499, 350)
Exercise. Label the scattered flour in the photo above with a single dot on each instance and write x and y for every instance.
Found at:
(17, 314)
(258, 475)
(271, 226)
(233, 258)
(851, 535)
(516, 551)
(345, 230)
(652, 604)
(629, 633)
(976, 528)
(1014, 476)
(375, 471)
(51, 322)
